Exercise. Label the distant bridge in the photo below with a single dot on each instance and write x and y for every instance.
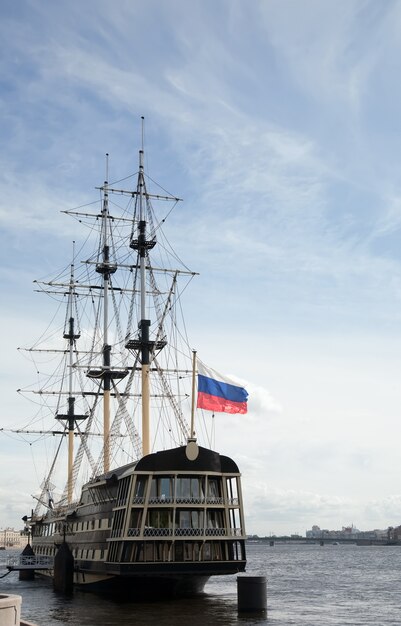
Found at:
(359, 541)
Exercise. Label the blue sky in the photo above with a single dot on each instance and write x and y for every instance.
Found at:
(279, 123)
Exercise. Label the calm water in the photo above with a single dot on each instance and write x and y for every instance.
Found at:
(307, 585)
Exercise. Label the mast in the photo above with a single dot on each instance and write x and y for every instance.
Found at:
(192, 432)
(144, 346)
(71, 335)
(144, 323)
(106, 268)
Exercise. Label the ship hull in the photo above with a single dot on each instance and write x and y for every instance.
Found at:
(152, 586)
(150, 530)
(149, 581)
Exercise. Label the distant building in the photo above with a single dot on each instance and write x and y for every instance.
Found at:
(394, 534)
(11, 538)
(350, 532)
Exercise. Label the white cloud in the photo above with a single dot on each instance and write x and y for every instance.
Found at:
(278, 123)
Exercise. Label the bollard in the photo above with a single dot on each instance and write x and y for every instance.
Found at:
(251, 593)
(27, 574)
(63, 569)
(10, 610)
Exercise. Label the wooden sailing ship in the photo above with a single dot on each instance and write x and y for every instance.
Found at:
(132, 519)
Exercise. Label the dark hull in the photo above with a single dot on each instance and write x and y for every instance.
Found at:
(149, 530)
(132, 583)
(151, 587)
(171, 581)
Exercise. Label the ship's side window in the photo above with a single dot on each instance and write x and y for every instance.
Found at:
(197, 519)
(159, 518)
(232, 490)
(179, 551)
(166, 489)
(149, 552)
(215, 519)
(137, 554)
(184, 519)
(123, 488)
(213, 490)
(189, 519)
(190, 488)
(183, 487)
(118, 522)
(140, 487)
(207, 552)
(136, 519)
(127, 551)
(161, 488)
(216, 551)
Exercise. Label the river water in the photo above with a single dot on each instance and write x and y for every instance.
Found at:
(307, 585)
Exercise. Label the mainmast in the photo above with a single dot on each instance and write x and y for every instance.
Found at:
(142, 240)
(144, 346)
(144, 323)
(142, 245)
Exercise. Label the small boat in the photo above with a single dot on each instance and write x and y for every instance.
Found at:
(140, 504)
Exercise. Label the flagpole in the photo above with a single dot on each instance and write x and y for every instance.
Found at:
(193, 394)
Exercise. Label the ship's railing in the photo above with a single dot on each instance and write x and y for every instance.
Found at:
(30, 562)
(158, 532)
(189, 500)
(161, 500)
(188, 532)
(215, 532)
(202, 500)
(183, 532)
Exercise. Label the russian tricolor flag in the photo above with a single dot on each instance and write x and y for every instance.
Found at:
(218, 393)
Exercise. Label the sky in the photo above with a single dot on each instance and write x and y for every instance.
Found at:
(278, 122)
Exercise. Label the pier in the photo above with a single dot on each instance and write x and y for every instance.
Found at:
(22, 562)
